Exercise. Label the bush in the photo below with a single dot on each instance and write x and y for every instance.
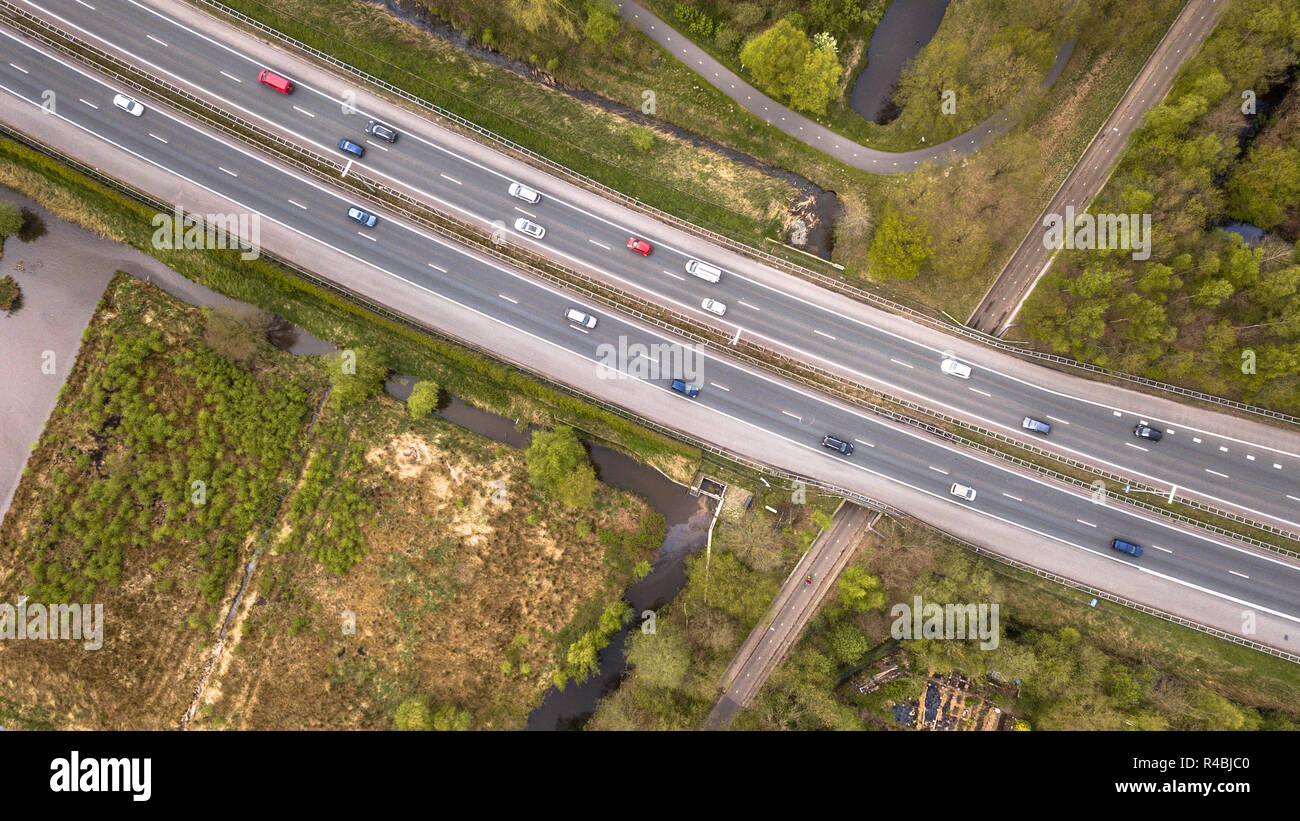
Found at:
(423, 399)
(558, 466)
(11, 219)
(643, 138)
(356, 374)
(11, 296)
(413, 714)
(726, 39)
(602, 22)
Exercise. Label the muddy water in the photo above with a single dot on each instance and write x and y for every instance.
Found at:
(901, 34)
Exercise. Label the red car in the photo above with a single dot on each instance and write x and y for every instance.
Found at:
(640, 246)
(281, 84)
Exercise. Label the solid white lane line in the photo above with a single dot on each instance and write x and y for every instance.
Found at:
(436, 267)
(822, 333)
(900, 362)
(1082, 522)
(599, 244)
(156, 40)
(1216, 473)
(302, 110)
(937, 470)
(508, 299)
(450, 179)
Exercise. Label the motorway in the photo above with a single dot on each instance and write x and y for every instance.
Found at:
(734, 395)
(1248, 471)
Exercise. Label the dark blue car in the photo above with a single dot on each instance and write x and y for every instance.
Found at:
(352, 148)
(1134, 550)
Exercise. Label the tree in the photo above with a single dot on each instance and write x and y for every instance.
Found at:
(423, 399)
(558, 466)
(754, 541)
(545, 16)
(817, 82)
(660, 658)
(847, 643)
(11, 220)
(413, 714)
(900, 246)
(776, 55)
(236, 331)
(602, 22)
(356, 374)
(859, 590)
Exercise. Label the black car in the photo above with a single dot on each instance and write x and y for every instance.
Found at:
(1145, 431)
(843, 447)
(383, 132)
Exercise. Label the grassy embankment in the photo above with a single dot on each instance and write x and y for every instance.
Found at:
(463, 583)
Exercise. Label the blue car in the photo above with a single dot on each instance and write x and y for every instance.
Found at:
(1134, 550)
(1036, 425)
(352, 148)
(686, 388)
(364, 217)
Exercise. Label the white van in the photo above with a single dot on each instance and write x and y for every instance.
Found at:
(703, 270)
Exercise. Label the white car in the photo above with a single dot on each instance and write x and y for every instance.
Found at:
(954, 368)
(962, 492)
(524, 193)
(532, 229)
(714, 307)
(132, 107)
(579, 318)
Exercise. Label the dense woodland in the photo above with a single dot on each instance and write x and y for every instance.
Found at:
(1205, 310)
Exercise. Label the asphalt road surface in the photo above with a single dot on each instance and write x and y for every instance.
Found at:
(1245, 468)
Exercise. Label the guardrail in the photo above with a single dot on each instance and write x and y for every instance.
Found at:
(465, 233)
(736, 461)
(890, 303)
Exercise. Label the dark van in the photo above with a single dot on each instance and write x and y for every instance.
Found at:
(686, 388)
